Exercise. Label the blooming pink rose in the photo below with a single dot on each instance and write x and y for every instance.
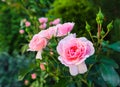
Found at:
(52, 31)
(48, 33)
(33, 76)
(43, 26)
(73, 52)
(43, 20)
(56, 21)
(37, 43)
(64, 29)
(21, 31)
(27, 23)
(45, 34)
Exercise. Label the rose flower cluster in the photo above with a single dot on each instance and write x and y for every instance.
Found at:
(72, 51)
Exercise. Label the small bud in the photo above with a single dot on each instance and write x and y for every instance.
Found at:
(33, 76)
(102, 32)
(99, 17)
(87, 27)
(42, 66)
(27, 23)
(26, 82)
(21, 31)
(110, 25)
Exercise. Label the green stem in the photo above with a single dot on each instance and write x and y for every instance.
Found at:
(99, 32)
(91, 36)
(105, 35)
(85, 81)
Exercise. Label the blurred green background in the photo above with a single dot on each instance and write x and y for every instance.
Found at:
(78, 11)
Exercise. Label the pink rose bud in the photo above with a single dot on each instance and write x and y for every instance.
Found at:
(73, 53)
(26, 82)
(52, 31)
(27, 23)
(33, 76)
(43, 20)
(51, 53)
(50, 23)
(42, 66)
(64, 29)
(37, 43)
(56, 21)
(21, 31)
(43, 26)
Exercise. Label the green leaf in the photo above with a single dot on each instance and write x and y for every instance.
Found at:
(24, 48)
(36, 84)
(91, 60)
(115, 46)
(109, 62)
(109, 75)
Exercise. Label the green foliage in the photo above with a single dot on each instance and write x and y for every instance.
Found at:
(15, 70)
(115, 34)
(114, 46)
(109, 75)
(11, 13)
(10, 69)
(109, 7)
(77, 11)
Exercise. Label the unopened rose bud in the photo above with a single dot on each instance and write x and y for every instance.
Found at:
(43, 20)
(26, 82)
(43, 26)
(42, 66)
(99, 17)
(21, 31)
(56, 21)
(102, 32)
(51, 53)
(27, 23)
(110, 25)
(33, 76)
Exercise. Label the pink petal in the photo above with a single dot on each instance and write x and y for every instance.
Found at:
(38, 55)
(82, 68)
(73, 70)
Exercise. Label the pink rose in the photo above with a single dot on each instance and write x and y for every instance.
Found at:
(48, 33)
(64, 29)
(27, 23)
(45, 34)
(37, 43)
(73, 53)
(56, 21)
(21, 31)
(43, 26)
(43, 20)
(52, 31)
(33, 76)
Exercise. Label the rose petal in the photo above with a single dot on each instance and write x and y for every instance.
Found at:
(73, 70)
(38, 55)
(82, 68)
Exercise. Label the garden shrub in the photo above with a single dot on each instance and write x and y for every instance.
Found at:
(12, 69)
(77, 11)
(11, 13)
